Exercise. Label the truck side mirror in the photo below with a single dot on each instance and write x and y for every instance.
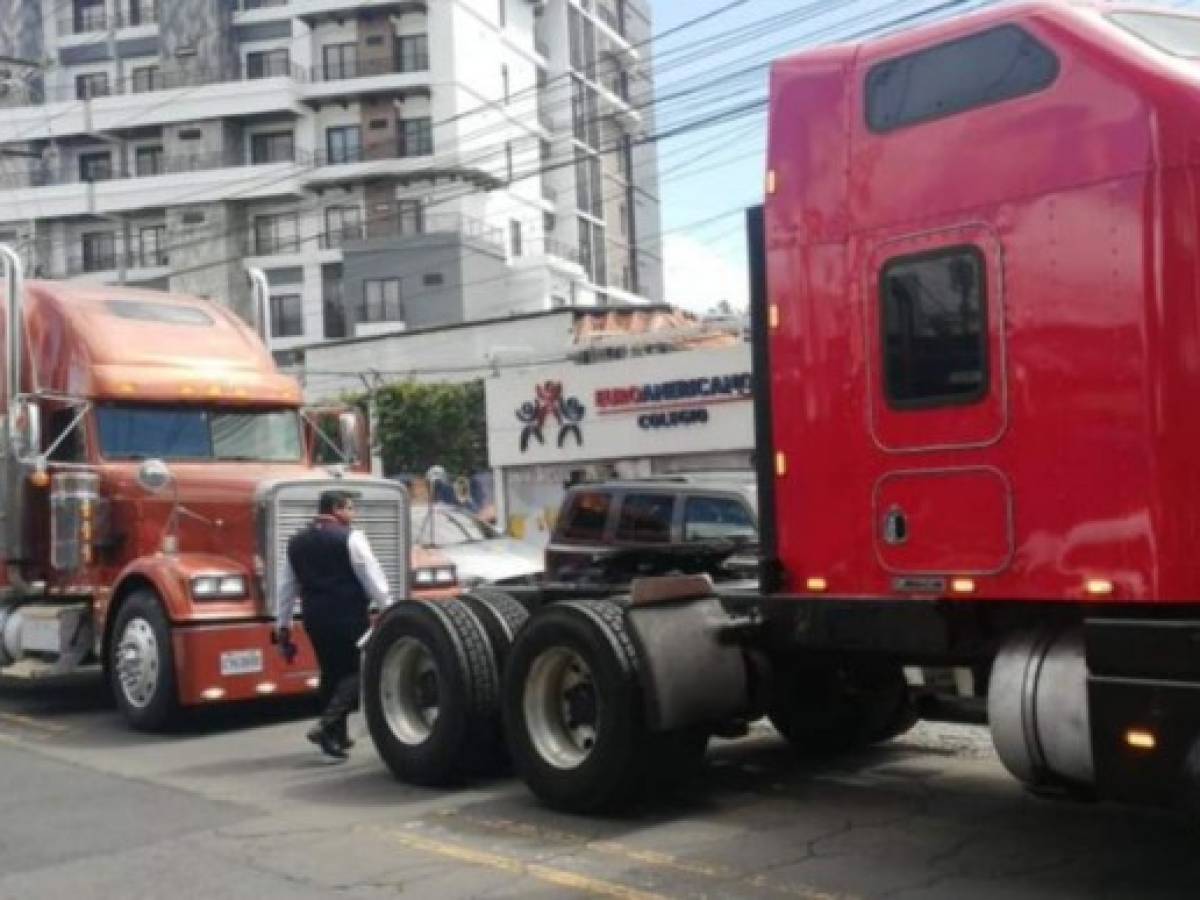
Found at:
(348, 434)
(25, 428)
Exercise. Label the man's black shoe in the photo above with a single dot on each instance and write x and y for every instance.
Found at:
(328, 743)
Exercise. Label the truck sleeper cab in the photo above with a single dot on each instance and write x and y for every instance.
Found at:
(976, 306)
(145, 525)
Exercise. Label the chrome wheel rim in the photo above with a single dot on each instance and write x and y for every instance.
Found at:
(138, 662)
(561, 707)
(408, 691)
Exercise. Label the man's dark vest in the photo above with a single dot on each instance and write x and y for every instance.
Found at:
(329, 587)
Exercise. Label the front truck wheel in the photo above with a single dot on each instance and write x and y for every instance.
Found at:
(431, 692)
(823, 709)
(141, 663)
(573, 711)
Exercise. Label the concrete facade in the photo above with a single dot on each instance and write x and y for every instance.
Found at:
(186, 140)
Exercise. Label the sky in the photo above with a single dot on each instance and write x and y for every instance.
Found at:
(719, 65)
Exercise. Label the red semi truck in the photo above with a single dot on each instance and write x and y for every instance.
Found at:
(977, 346)
(152, 466)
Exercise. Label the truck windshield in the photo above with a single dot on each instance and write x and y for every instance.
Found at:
(1177, 35)
(133, 432)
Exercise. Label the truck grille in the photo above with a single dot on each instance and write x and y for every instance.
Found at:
(285, 507)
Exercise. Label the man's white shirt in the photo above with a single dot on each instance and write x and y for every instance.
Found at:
(365, 565)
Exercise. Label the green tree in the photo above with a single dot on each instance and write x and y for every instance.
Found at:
(421, 425)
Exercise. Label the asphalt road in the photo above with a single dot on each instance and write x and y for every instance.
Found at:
(237, 804)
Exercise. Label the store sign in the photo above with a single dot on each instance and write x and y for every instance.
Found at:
(672, 404)
(691, 401)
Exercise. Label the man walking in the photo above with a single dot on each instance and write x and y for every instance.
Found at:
(331, 569)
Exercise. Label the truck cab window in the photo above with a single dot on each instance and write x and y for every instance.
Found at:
(979, 70)
(646, 517)
(587, 517)
(72, 448)
(934, 329)
(130, 432)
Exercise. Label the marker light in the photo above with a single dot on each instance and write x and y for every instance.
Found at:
(816, 585)
(1098, 587)
(313, 681)
(1140, 739)
(962, 586)
(780, 464)
(213, 693)
(771, 182)
(265, 687)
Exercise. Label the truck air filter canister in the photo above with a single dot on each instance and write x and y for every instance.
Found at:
(74, 504)
(1038, 708)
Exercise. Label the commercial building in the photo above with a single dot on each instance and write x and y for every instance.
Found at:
(392, 164)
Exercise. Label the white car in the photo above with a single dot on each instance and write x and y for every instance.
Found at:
(480, 553)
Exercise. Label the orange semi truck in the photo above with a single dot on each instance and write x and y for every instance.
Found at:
(153, 463)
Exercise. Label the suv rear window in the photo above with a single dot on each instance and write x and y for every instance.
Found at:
(717, 518)
(586, 518)
(646, 518)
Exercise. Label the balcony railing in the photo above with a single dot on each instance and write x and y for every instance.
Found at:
(373, 153)
(110, 261)
(71, 172)
(94, 18)
(410, 226)
(561, 250)
(365, 67)
(153, 79)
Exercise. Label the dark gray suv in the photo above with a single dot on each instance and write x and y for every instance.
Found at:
(610, 533)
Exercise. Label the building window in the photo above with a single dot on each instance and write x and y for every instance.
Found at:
(146, 79)
(342, 223)
(287, 315)
(99, 251)
(415, 137)
(267, 64)
(89, 15)
(271, 147)
(94, 84)
(623, 217)
(381, 301)
(96, 166)
(504, 83)
(514, 231)
(344, 144)
(508, 161)
(433, 279)
(412, 217)
(934, 327)
(996, 65)
(148, 161)
(152, 246)
(412, 53)
(585, 246)
(333, 301)
(143, 12)
(339, 61)
(599, 256)
(502, 12)
(279, 233)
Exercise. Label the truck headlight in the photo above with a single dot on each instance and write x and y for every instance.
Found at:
(219, 586)
(435, 576)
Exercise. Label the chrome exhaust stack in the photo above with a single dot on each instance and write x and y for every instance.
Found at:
(260, 292)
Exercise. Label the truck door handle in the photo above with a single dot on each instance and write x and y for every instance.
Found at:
(895, 526)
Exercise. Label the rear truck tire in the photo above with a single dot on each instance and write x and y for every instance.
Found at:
(502, 618)
(430, 692)
(141, 663)
(827, 709)
(574, 715)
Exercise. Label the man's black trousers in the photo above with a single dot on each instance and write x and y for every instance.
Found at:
(336, 645)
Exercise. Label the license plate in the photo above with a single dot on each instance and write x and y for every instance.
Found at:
(241, 662)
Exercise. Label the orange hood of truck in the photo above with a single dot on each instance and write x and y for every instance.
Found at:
(121, 343)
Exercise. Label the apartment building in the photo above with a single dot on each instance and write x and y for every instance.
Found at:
(391, 164)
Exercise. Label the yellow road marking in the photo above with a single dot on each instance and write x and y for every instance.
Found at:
(654, 858)
(557, 877)
(29, 722)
